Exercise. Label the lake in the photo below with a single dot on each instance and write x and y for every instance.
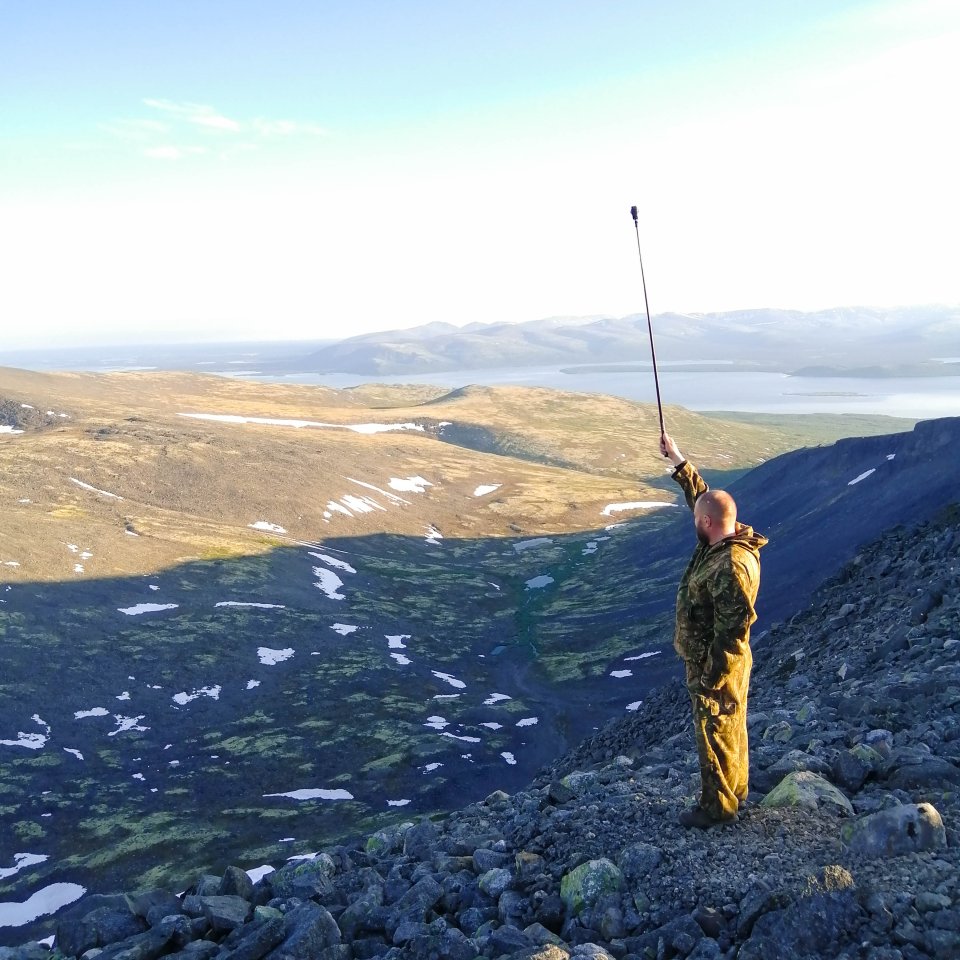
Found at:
(917, 397)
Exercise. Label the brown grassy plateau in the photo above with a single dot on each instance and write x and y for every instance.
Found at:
(191, 489)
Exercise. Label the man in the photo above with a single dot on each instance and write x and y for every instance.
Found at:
(712, 636)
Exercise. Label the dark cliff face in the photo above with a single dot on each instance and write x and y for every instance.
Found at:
(818, 506)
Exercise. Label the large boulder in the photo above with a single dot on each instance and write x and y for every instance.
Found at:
(309, 930)
(891, 833)
(808, 790)
(584, 886)
(303, 878)
(96, 921)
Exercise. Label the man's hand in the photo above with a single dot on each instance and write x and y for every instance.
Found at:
(669, 449)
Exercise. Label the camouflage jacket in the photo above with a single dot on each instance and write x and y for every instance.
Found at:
(716, 594)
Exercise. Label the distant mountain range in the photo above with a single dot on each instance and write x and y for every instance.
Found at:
(767, 339)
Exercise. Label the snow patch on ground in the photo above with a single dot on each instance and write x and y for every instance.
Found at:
(361, 504)
(20, 862)
(31, 741)
(266, 525)
(522, 545)
(621, 673)
(258, 606)
(258, 873)
(437, 723)
(644, 656)
(537, 583)
(495, 698)
(140, 608)
(95, 712)
(184, 698)
(434, 536)
(490, 725)
(396, 642)
(75, 753)
(863, 476)
(409, 484)
(269, 657)
(280, 422)
(86, 486)
(509, 757)
(317, 794)
(634, 706)
(344, 628)
(397, 803)
(430, 767)
(334, 562)
(453, 736)
(401, 659)
(611, 508)
(448, 678)
(528, 722)
(329, 583)
(127, 723)
(252, 684)
(48, 900)
(486, 488)
(392, 497)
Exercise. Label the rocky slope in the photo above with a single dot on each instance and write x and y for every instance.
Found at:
(849, 846)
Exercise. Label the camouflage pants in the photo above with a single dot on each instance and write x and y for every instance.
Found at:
(720, 728)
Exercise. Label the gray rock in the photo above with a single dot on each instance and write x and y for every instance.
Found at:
(509, 939)
(153, 905)
(495, 881)
(484, 860)
(585, 885)
(808, 790)
(28, 951)
(388, 840)
(852, 767)
(419, 842)
(809, 927)
(142, 946)
(931, 772)
(309, 930)
(760, 899)
(905, 829)
(363, 916)
(637, 860)
(236, 883)
(96, 922)
(258, 940)
(304, 878)
(225, 913)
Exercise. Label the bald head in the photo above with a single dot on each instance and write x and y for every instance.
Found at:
(715, 516)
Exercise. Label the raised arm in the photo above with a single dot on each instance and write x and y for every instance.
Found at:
(685, 473)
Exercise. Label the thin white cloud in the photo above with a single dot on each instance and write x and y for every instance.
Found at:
(199, 114)
(182, 129)
(287, 128)
(138, 130)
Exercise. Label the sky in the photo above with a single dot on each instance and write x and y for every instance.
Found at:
(210, 170)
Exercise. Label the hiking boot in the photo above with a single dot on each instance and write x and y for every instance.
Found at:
(699, 818)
